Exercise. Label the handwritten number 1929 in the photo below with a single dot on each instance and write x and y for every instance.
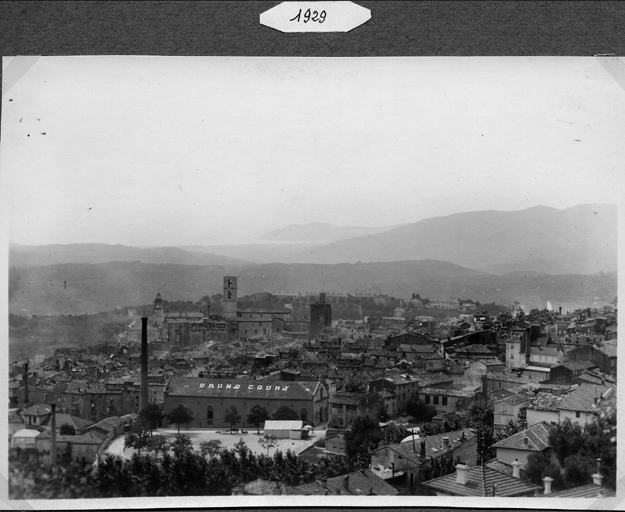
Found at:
(319, 17)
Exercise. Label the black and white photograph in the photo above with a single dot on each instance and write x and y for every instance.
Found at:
(352, 280)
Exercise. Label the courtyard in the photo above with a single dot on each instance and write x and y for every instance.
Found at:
(228, 440)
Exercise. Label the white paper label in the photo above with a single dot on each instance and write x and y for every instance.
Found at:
(315, 16)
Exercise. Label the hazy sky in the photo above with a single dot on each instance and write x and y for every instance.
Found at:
(207, 150)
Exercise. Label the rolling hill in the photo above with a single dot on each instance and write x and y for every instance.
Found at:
(89, 288)
(26, 255)
(319, 232)
(576, 240)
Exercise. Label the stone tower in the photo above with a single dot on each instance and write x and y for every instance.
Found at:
(158, 311)
(320, 316)
(229, 301)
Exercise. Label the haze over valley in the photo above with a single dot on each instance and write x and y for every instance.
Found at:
(532, 256)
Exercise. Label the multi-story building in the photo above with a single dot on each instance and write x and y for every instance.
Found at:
(209, 399)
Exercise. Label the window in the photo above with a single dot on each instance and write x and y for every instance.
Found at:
(427, 399)
(577, 414)
(435, 400)
(209, 415)
(444, 400)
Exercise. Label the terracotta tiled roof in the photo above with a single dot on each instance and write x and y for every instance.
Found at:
(476, 348)
(607, 405)
(434, 446)
(461, 393)
(514, 399)
(499, 466)
(583, 398)
(507, 377)
(108, 423)
(344, 398)
(416, 348)
(545, 402)
(37, 410)
(362, 482)
(480, 481)
(74, 421)
(88, 438)
(609, 350)
(537, 438)
(579, 365)
(584, 491)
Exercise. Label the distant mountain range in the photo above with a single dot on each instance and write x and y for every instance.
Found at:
(89, 288)
(320, 233)
(26, 255)
(576, 240)
(256, 253)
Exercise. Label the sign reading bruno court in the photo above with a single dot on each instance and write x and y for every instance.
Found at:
(258, 387)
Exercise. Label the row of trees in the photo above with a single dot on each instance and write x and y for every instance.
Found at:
(211, 471)
(151, 417)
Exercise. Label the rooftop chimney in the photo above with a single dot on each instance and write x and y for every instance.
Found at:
(25, 383)
(346, 482)
(547, 481)
(143, 402)
(445, 443)
(53, 436)
(461, 474)
(526, 441)
(516, 466)
(597, 477)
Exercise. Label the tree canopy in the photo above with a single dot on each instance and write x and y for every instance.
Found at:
(67, 430)
(362, 436)
(180, 415)
(257, 415)
(419, 411)
(232, 416)
(576, 451)
(285, 413)
(152, 415)
(268, 442)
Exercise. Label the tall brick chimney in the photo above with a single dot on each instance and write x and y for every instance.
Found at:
(25, 383)
(53, 436)
(144, 397)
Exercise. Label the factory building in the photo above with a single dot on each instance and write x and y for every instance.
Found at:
(209, 399)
